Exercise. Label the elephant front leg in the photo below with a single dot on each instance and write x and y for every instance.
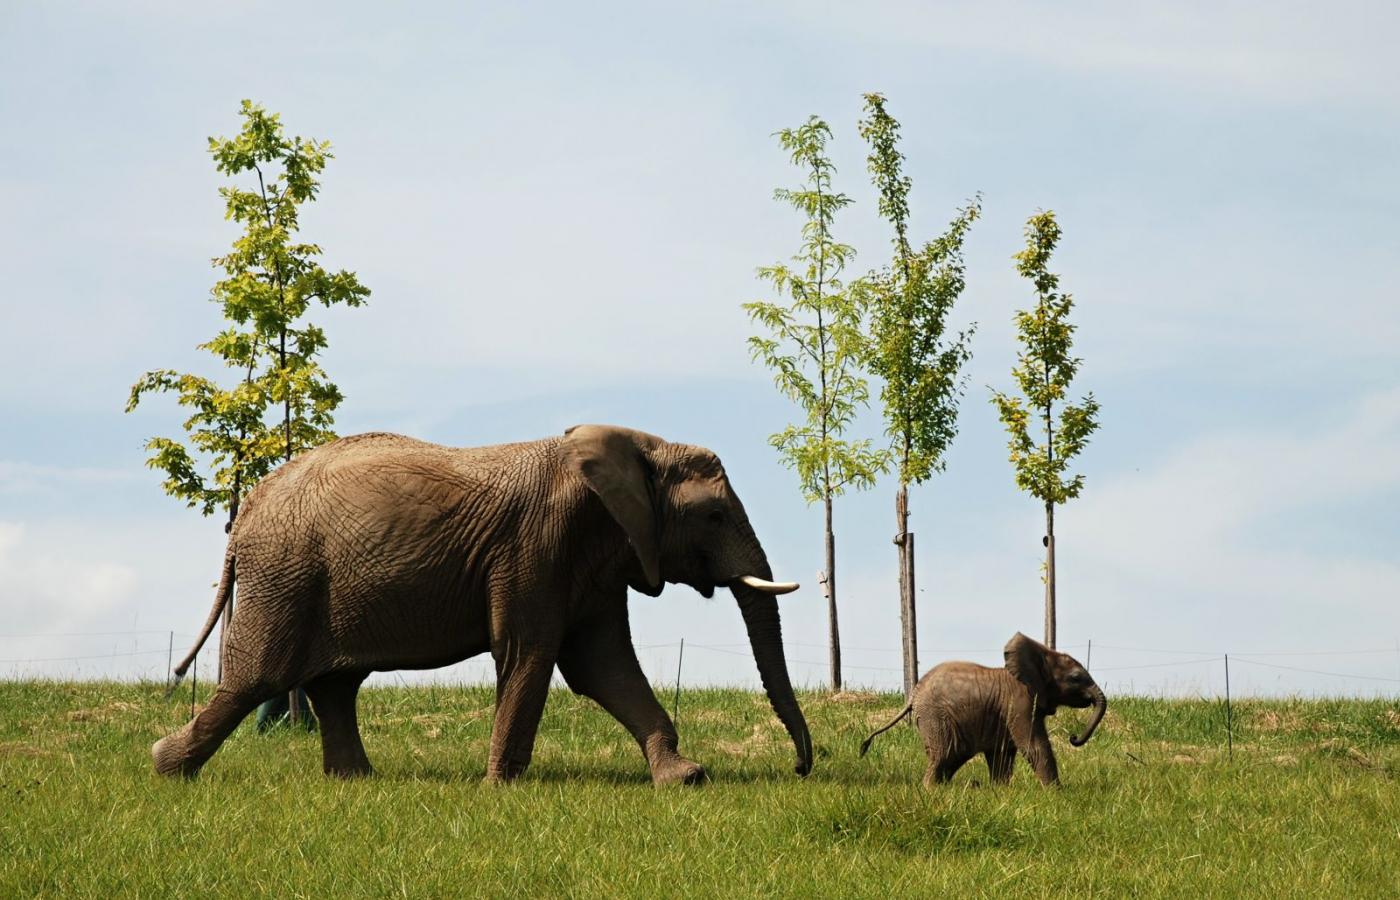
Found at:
(598, 661)
(522, 686)
(1001, 759)
(1040, 756)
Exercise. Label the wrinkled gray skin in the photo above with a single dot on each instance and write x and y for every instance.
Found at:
(381, 552)
(962, 709)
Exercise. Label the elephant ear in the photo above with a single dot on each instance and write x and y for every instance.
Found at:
(613, 463)
(1025, 660)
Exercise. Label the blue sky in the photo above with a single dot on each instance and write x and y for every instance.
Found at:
(560, 209)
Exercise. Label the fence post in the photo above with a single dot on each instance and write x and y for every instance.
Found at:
(1229, 725)
(1089, 654)
(676, 704)
(169, 656)
(194, 684)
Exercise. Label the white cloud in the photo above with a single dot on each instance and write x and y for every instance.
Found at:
(99, 597)
(1217, 490)
(1251, 541)
(55, 587)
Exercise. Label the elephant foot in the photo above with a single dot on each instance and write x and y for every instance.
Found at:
(503, 772)
(348, 771)
(170, 761)
(679, 771)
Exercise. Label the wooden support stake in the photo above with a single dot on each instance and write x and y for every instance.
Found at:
(676, 704)
(1229, 728)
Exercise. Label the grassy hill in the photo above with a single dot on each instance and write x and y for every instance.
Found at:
(1152, 806)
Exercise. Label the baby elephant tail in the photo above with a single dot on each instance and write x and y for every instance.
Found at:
(893, 722)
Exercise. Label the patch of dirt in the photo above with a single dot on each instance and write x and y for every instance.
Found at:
(428, 719)
(102, 713)
(22, 750)
(1115, 723)
(1285, 759)
(882, 718)
(710, 715)
(1269, 720)
(1340, 749)
(761, 737)
(844, 698)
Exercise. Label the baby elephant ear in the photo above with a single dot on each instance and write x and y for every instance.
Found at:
(1025, 660)
(613, 463)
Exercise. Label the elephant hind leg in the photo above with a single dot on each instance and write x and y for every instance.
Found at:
(333, 697)
(184, 752)
(522, 686)
(947, 752)
(941, 768)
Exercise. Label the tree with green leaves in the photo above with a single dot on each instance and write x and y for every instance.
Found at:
(1044, 370)
(815, 346)
(281, 403)
(910, 346)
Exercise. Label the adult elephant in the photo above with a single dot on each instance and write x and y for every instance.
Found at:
(380, 552)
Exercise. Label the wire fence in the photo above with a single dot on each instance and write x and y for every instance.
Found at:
(1193, 676)
(150, 653)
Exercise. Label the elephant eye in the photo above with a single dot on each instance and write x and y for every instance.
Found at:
(716, 517)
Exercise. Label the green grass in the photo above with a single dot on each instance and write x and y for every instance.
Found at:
(1152, 807)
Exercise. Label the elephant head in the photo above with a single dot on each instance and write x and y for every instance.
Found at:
(1055, 679)
(686, 525)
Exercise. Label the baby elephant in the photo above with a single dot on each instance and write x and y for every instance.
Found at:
(963, 709)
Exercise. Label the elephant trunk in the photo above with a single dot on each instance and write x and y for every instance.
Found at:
(1100, 707)
(760, 610)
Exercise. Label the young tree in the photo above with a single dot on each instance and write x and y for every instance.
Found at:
(910, 349)
(1044, 370)
(270, 282)
(815, 350)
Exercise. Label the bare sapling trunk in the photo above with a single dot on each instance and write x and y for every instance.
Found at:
(904, 539)
(228, 607)
(1050, 574)
(831, 601)
(1049, 532)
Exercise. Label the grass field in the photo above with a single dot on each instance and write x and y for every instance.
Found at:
(1153, 806)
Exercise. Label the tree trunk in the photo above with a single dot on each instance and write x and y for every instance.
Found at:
(831, 601)
(904, 539)
(1050, 574)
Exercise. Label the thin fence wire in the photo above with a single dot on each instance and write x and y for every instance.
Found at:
(94, 656)
(743, 649)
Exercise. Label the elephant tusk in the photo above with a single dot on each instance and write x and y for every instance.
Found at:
(768, 587)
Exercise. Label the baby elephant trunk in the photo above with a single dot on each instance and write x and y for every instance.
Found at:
(1100, 707)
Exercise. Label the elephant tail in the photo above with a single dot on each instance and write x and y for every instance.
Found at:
(221, 599)
(893, 722)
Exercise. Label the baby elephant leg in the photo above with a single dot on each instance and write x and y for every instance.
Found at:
(945, 751)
